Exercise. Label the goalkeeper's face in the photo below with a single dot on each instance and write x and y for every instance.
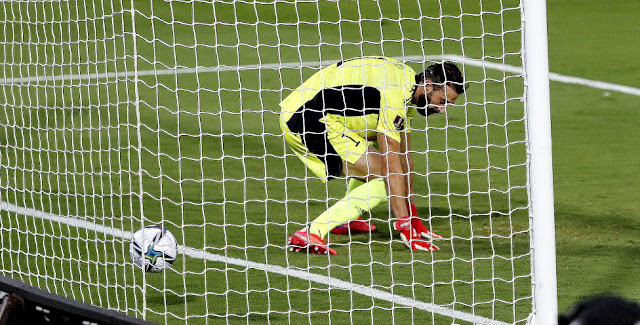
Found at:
(432, 100)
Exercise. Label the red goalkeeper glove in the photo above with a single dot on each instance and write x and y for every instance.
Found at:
(421, 229)
(410, 236)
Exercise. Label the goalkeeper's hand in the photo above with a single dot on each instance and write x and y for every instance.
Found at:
(410, 237)
(420, 228)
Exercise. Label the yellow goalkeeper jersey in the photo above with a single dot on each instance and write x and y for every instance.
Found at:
(365, 95)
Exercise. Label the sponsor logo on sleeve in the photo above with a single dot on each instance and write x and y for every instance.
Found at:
(399, 123)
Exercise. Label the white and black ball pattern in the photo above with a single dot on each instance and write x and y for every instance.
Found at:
(153, 248)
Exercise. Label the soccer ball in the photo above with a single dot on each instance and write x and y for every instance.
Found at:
(153, 248)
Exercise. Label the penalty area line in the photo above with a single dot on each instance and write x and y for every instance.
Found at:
(287, 272)
(315, 64)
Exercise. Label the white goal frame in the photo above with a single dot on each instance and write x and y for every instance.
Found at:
(536, 65)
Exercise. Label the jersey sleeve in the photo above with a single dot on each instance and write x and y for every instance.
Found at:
(411, 112)
(393, 116)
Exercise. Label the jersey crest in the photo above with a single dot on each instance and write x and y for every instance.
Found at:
(399, 123)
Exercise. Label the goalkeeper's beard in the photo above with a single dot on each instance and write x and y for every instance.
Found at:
(422, 104)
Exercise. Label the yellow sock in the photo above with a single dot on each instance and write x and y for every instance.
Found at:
(359, 200)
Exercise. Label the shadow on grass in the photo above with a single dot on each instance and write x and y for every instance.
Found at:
(596, 253)
(170, 300)
(250, 319)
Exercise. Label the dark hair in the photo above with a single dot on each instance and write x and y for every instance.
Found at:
(441, 73)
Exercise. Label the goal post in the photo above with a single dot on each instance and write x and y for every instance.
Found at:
(536, 64)
(122, 114)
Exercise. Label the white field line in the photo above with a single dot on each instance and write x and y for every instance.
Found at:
(288, 272)
(298, 65)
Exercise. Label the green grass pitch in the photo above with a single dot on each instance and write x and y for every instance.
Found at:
(215, 169)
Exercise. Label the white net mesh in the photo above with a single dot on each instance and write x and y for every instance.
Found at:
(65, 149)
(127, 114)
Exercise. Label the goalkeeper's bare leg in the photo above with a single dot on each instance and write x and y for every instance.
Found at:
(358, 225)
(358, 201)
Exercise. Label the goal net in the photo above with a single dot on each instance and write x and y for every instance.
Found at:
(121, 114)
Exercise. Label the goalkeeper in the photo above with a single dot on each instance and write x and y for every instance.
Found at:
(328, 121)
